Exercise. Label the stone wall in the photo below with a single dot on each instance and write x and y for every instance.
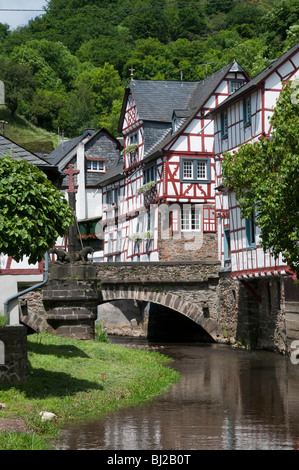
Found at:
(156, 272)
(13, 354)
(228, 307)
(184, 246)
(291, 295)
(262, 314)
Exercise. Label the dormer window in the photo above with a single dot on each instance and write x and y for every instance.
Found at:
(234, 85)
(96, 165)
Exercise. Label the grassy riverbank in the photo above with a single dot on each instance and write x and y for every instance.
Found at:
(77, 381)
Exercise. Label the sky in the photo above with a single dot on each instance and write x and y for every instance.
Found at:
(20, 18)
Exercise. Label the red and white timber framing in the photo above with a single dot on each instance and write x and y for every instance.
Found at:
(9, 266)
(126, 221)
(248, 262)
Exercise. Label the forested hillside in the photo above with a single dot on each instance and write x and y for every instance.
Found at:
(67, 69)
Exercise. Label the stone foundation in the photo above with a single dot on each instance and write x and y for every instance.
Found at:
(228, 298)
(13, 354)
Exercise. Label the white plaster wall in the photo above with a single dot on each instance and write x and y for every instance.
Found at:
(94, 203)
(9, 288)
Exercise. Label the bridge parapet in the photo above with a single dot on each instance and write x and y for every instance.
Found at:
(158, 272)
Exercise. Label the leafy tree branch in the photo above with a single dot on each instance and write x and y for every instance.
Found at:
(33, 213)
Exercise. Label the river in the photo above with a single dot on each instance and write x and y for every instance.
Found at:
(227, 399)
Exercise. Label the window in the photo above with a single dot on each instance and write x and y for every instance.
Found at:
(234, 85)
(96, 165)
(250, 231)
(112, 196)
(118, 241)
(116, 194)
(209, 220)
(188, 170)
(109, 197)
(150, 174)
(201, 170)
(224, 124)
(226, 237)
(190, 218)
(110, 243)
(247, 110)
(133, 139)
(195, 170)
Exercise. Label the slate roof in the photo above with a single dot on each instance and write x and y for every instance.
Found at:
(256, 81)
(113, 174)
(10, 148)
(67, 147)
(157, 99)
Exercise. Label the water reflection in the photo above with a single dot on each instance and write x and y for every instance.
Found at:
(227, 399)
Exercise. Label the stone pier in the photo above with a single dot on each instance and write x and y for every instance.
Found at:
(13, 354)
(70, 299)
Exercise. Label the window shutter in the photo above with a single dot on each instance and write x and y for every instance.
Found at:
(209, 220)
(244, 111)
(248, 232)
(222, 123)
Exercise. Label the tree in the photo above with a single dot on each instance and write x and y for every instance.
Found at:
(33, 213)
(104, 84)
(19, 83)
(265, 178)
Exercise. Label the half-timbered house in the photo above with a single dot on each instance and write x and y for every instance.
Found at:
(241, 118)
(159, 203)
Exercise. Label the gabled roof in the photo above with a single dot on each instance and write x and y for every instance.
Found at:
(157, 99)
(256, 81)
(68, 149)
(13, 150)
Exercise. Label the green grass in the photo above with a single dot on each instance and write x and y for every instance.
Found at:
(25, 134)
(78, 381)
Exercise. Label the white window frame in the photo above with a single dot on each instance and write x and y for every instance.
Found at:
(190, 219)
(118, 240)
(92, 163)
(234, 85)
(110, 242)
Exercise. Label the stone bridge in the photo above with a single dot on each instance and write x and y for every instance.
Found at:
(74, 291)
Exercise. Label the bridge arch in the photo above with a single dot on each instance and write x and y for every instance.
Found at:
(194, 311)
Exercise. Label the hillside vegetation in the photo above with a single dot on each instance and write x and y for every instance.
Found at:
(67, 69)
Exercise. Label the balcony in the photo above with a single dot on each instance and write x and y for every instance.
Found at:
(131, 156)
